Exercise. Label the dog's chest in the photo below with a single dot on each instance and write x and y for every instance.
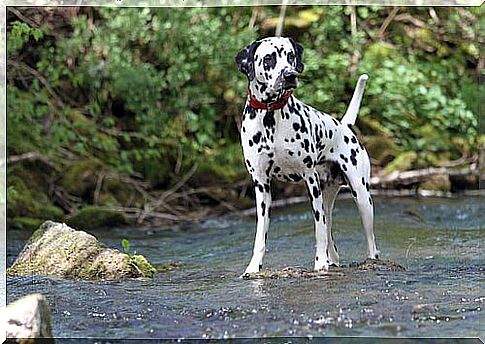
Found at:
(282, 143)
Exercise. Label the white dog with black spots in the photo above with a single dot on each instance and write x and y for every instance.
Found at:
(284, 138)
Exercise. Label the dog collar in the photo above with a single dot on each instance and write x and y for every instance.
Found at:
(275, 105)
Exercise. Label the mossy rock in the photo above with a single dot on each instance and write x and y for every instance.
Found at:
(371, 126)
(56, 249)
(116, 192)
(437, 182)
(142, 263)
(381, 148)
(25, 203)
(91, 217)
(402, 162)
(81, 176)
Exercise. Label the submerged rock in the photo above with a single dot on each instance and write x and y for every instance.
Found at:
(28, 320)
(297, 272)
(57, 249)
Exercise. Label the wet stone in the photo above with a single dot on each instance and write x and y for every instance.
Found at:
(298, 272)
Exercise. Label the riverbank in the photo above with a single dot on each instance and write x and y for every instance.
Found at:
(87, 198)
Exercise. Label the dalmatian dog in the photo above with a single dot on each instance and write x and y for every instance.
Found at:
(286, 139)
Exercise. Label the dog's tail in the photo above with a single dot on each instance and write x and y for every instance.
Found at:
(354, 106)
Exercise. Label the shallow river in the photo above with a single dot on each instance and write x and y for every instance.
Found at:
(440, 294)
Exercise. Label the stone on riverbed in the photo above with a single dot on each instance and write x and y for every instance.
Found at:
(57, 249)
(297, 272)
(28, 320)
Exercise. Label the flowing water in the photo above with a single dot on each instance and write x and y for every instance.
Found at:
(440, 294)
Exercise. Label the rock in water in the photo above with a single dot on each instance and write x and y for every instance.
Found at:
(27, 320)
(57, 249)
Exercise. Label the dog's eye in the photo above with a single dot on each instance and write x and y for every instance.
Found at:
(291, 57)
(268, 59)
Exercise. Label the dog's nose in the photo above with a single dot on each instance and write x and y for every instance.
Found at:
(290, 76)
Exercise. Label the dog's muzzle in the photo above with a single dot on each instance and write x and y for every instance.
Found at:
(289, 79)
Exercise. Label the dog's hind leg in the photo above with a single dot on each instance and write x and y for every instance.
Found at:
(360, 188)
(263, 204)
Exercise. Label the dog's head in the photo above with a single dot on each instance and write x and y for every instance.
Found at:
(274, 63)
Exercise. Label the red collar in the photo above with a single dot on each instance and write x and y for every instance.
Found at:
(276, 105)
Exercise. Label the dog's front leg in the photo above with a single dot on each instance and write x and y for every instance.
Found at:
(263, 204)
(315, 195)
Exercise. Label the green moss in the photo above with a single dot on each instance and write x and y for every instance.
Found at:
(402, 162)
(439, 182)
(143, 265)
(91, 217)
(25, 202)
(381, 148)
(24, 222)
(81, 176)
(117, 192)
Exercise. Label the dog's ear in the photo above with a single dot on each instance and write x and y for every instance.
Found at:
(298, 52)
(245, 59)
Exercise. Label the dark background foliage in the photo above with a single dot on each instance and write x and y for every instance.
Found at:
(132, 114)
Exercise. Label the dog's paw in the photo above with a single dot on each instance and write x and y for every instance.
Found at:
(251, 269)
(321, 266)
(375, 255)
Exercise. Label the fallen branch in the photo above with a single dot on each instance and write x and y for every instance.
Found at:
(387, 21)
(30, 156)
(415, 176)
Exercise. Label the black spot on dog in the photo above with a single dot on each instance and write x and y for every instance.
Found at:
(250, 143)
(353, 139)
(316, 192)
(296, 126)
(346, 139)
(263, 208)
(308, 161)
(330, 134)
(306, 144)
(268, 119)
(257, 137)
(317, 215)
(294, 177)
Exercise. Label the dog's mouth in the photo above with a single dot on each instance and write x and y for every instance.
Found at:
(289, 85)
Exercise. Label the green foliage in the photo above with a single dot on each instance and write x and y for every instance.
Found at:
(125, 243)
(20, 34)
